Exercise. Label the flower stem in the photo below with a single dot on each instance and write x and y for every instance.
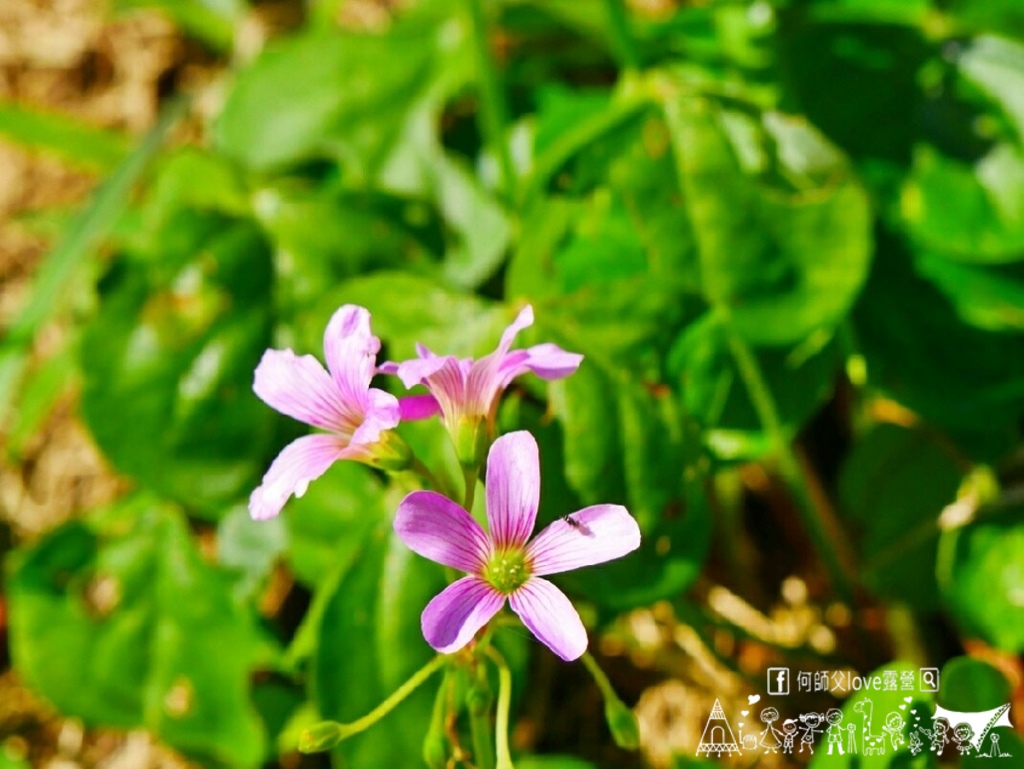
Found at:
(426, 474)
(327, 734)
(621, 38)
(504, 704)
(470, 475)
(479, 707)
(494, 110)
(789, 466)
(621, 720)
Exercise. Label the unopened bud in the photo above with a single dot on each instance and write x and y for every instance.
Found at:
(322, 736)
(623, 724)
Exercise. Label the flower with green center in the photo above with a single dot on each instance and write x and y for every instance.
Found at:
(505, 564)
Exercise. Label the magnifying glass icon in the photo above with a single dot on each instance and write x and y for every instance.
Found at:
(929, 680)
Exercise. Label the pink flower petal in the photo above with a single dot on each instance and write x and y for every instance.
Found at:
(297, 385)
(437, 528)
(301, 461)
(382, 413)
(414, 407)
(513, 488)
(351, 352)
(551, 617)
(455, 614)
(595, 535)
(549, 361)
(418, 370)
(484, 381)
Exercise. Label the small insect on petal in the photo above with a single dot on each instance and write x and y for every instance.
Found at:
(581, 527)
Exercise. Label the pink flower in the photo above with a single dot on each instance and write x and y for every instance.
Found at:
(355, 416)
(466, 392)
(504, 564)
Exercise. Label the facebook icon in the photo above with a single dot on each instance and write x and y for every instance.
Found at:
(778, 680)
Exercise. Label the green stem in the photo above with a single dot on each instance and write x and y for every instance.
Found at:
(621, 37)
(480, 721)
(789, 465)
(470, 475)
(327, 734)
(607, 692)
(426, 474)
(494, 110)
(504, 705)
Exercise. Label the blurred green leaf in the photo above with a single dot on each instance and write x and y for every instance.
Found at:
(74, 253)
(91, 147)
(894, 485)
(407, 309)
(990, 297)
(322, 238)
(846, 76)
(249, 548)
(969, 214)
(168, 370)
(912, 338)
(800, 378)
(326, 526)
(786, 264)
(129, 627)
(981, 576)
(970, 684)
(369, 642)
(324, 95)
(212, 21)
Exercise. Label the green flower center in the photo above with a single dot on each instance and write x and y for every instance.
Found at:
(507, 570)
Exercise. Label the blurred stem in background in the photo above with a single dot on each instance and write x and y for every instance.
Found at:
(494, 113)
(837, 561)
(621, 38)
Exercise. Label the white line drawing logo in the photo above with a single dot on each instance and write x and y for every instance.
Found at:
(964, 733)
(718, 737)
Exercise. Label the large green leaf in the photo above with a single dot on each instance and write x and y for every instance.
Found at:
(912, 339)
(369, 642)
(981, 575)
(786, 263)
(894, 485)
(126, 625)
(324, 94)
(799, 377)
(168, 370)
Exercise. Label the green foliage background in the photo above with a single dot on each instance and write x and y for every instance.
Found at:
(782, 233)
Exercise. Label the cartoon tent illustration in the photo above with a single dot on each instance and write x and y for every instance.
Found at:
(982, 721)
(718, 737)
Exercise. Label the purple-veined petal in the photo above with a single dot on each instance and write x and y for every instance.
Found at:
(418, 370)
(301, 461)
(414, 407)
(513, 488)
(455, 614)
(382, 413)
(388, 367)
(351, 352)
(593, 535)
(549, 361)
(444, 379)
(550, 616)
(297, 385)
(435, 527)
(484, 380)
